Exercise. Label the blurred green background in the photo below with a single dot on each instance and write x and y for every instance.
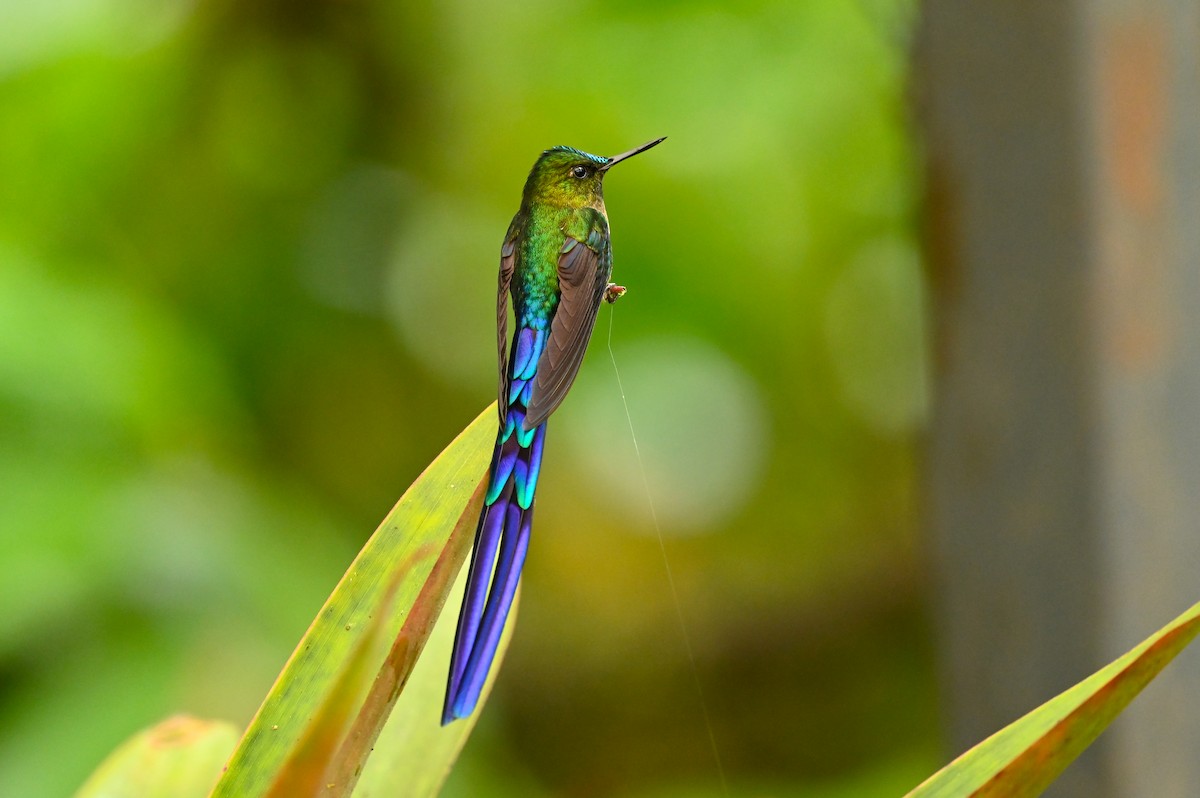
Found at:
(248, 256)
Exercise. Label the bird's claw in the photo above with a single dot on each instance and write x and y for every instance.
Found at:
(613, 292)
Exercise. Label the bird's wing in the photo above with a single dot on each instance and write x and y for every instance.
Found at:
(508, 263)
(584, 267)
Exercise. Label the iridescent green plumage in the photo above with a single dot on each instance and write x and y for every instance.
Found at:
(555, 263)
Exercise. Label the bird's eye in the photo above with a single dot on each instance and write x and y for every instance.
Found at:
(579, 172)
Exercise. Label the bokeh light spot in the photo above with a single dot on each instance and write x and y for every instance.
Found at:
(441, 288)
(350, 237)
(701, 430)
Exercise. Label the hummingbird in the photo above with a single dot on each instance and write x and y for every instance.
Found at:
(555, 263)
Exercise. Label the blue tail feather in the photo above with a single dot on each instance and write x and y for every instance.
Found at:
(487, 537)
(501, 542)
(513, 547)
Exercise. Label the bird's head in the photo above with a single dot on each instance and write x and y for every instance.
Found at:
(570, 178)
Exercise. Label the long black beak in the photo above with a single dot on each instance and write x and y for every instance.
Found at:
(616, 159)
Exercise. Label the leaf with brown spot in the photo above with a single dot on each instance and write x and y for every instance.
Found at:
(179, 758)
(315, 729)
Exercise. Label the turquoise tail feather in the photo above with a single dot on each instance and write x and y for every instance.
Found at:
(501, 539)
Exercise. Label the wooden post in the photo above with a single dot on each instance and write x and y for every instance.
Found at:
(1063, 172)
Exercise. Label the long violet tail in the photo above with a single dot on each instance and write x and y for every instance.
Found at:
(501, 541)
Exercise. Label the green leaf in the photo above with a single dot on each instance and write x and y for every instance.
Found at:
(414, 753)
(179, 758)
(1025, 757)
(316, 727)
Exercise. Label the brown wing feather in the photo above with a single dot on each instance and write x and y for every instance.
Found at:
(583, 273)
(508, 264)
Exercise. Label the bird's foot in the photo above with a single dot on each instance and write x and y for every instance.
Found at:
(613, 292)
